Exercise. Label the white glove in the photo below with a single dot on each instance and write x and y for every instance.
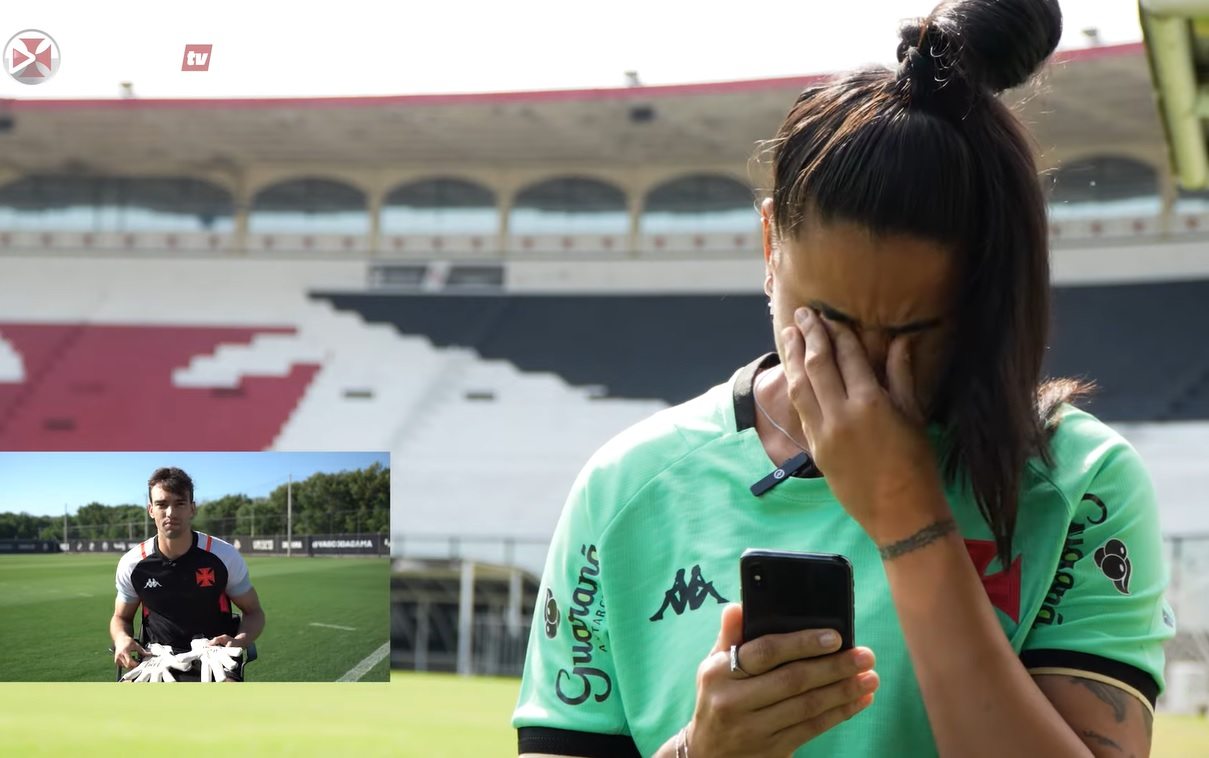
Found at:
(157, 667)
(215, 660)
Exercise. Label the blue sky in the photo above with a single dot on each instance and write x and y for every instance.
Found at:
(366, 47)
(42, 483)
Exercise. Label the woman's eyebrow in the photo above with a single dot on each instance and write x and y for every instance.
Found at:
(916, 326)
(835, 314)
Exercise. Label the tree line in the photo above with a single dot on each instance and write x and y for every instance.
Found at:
(339, 503)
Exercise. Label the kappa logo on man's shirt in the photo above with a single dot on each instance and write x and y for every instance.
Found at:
(151, 584)
(690, 596)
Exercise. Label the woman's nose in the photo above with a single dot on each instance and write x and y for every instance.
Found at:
(877, 347)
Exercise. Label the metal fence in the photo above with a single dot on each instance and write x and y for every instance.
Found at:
(498, 637)
(267, 544)
(527, 553)
(255, 524)
(1188, 594)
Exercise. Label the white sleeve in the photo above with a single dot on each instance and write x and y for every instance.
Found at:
(125, 587)
(238, 580)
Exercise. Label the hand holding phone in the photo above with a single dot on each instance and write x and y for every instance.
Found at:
(792, 685)
(788, 592)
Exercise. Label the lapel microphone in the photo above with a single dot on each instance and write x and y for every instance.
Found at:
(790, 467)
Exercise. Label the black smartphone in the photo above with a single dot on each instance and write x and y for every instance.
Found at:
(787, 592)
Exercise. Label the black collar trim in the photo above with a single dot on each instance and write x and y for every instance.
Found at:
(745, 404)
(155, 546)
(744, 393)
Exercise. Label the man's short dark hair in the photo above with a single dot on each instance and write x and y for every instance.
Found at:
(173, 480)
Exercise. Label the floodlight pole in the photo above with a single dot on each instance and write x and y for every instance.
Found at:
(65, 523)
(466, 618)
(289, 516)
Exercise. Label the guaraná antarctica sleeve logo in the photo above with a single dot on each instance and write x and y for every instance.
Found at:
(1113, 559)
(586, 619)
(1072, 553)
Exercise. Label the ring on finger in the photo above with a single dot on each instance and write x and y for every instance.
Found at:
(735, 666)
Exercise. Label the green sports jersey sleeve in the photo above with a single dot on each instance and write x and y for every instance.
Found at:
(1105, 613)
(569, 677)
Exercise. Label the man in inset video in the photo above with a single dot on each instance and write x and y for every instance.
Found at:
(186, 582)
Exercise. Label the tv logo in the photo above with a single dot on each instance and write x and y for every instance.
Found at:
(31, 56)
(197, 58)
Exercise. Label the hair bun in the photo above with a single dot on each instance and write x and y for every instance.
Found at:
(997, 44)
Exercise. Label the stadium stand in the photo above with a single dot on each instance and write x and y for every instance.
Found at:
(95, 387)
(707, 337)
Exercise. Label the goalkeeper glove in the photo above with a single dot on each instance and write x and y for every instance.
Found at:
(215, 660)
(157, 667)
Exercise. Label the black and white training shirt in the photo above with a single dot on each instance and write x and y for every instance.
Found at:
(186, 597)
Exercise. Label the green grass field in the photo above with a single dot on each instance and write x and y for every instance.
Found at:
(414, 715)
(55, 611)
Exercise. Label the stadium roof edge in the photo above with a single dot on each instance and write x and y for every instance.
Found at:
(481, 98)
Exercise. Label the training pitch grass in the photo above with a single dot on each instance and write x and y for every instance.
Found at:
(55, 611)
(430, 715)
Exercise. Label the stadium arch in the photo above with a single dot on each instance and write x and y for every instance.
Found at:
(440, 204)
(97, 203)
(1105, 184)
(698, 203)
(310, 213)
(556, 213)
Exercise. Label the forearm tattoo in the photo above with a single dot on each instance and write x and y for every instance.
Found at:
(922, 538)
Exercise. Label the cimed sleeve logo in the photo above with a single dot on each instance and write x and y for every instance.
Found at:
(551, 615)
(1113, 559)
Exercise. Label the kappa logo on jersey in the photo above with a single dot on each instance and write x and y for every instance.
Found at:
(1113, 559)
(205, 577)
(681, 597)
(551, 615)
(151, 584)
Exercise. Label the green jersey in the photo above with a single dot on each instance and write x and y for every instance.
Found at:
(646, 554)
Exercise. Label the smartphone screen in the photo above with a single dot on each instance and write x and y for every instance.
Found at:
(787, 592)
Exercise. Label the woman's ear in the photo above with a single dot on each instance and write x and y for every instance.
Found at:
(766, 236)
(766, 229)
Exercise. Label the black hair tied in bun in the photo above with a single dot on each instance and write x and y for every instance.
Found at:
(969, 47)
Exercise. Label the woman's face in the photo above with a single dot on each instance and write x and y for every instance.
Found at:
(879, 286)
